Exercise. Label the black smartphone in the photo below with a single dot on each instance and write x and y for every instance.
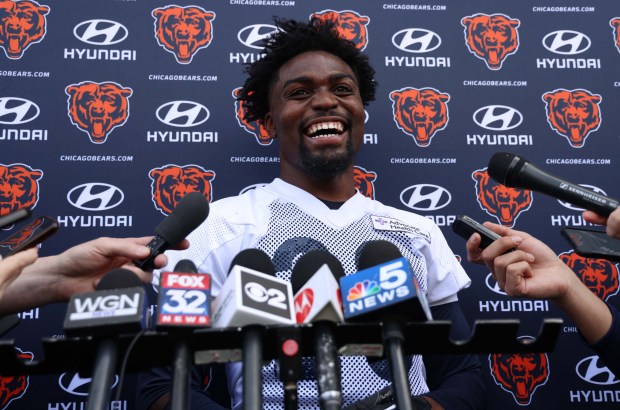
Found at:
(591, 243)
(464, 226)
(31, 235)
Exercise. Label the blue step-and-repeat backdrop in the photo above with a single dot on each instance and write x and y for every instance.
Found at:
(112, 109)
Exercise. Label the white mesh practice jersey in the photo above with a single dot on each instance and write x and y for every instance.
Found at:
(287, 222)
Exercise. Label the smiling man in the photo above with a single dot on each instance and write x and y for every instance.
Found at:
(309, 91)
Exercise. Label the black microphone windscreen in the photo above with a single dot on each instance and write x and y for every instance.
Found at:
(185, 266)
(254, 259)
(119, 279)
(190, 212)
(503, 166)
(377, 252)
(309, 263)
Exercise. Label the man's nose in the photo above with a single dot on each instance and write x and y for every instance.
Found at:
(324, 98)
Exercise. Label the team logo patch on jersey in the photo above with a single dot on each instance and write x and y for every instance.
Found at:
(520, 374)
(183, 31)
(350, 25)
(172, 182)
(599, 275)
(22, 23)
(491, 38)
(504, 203)
(382, 223)
(573, 114)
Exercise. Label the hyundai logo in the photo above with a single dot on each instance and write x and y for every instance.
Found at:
(100, 32)
(254, 35)
(425, 197)
(498, 117)
(182, 114)
(566, 42)
(588, 187)
(416, 40)
(592, 370)
(492, 284)
(95, 196)
(77, 385)
(15, 111)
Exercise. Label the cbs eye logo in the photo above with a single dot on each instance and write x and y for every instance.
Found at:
(260, 294)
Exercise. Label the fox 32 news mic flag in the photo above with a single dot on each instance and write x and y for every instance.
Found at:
(117, 306)
(317, 300)
(189, 213)
(384, 289)
(184, 303)
(252, 297)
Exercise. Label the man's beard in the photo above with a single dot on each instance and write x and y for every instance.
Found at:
(327, 165)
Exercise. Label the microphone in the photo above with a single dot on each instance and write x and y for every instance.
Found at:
(317, 300)
(515, 171)
(184, 304)
(189, 213)
(385, 289)
(252, 297)
(117, 306)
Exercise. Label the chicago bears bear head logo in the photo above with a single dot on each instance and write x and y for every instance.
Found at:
(504, 203)
(350, 25)
(615, 24)
(183, 31)
(19, 187)
(520, 374)
(599, 275)
(573, 114)
(22, 23)
(364, 181)
(256, 128)
(420, 112)
(98, 108)
(14, 387)
(491, 38)
(173, 182)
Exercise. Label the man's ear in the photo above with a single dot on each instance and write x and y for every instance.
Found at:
(270, 126)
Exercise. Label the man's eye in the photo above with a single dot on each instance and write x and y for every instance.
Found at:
(298, 93)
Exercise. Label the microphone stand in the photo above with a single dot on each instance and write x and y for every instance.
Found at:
(394, 338)
(252, 356)
(181, 374)
(105, 364)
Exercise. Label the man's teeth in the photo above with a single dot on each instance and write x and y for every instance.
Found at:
(325, 129)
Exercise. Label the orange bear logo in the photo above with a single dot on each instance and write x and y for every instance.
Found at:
(98, 108)
(491, 38)
(364, 181)
(520, 374)
(599, 275)
(183, 31)
(256, 128)
(504, 203)
(173, 182)
(22, 24)
(615, 24)
(420, 112)
(350, 25)
(573, 114)
(19, 187)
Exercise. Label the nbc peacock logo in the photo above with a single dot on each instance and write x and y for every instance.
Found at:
(363, 289)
